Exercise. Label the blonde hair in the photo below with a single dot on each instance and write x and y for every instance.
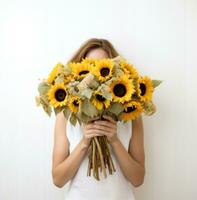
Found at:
(94, 43)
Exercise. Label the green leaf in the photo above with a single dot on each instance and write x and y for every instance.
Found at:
(88, 108)
(135, 82)
(106, 93)
(66, 112)
(83, 117)
(117, 59)
(108, 113)
(116, 108)
(149, 108)
(156, 83)
(87, 93)
(45, 99)
(113, 78)
(37, 100)
(57, 110)
(46, 107)
(117, 72)
(65, 70)
(43, 88)
(73, 119)
(59, 79)
(79, 120)
(48, 110)
(72, 90)
(93, 84)
(86, 82)
(119, 118)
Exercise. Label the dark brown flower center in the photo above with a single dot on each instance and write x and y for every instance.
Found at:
(105, 71)
(60, 95)
(75, 103)
(100, 98)
(83, 72)
(119, 90)
(130, 109)
(142, 88)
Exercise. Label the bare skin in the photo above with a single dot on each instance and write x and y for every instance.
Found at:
(132, 160)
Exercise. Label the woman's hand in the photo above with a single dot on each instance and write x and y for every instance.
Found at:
(89, 132)
(107, 127)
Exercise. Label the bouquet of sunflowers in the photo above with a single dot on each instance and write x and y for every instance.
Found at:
(89, 89)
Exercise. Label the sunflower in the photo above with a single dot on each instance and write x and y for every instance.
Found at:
(80, 70)
(54, 73)
(103, 69)
(129, 69)
(131, 110)
(122, 89)
(145, 88)
(74, 103)
(57, 95)
(88, 61)
(68, 79)
(99, 101)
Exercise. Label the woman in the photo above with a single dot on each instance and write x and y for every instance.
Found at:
(71, 143)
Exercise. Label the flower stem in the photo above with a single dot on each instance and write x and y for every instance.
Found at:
(101, 156)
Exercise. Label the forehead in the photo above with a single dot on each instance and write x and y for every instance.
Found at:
(98, 53)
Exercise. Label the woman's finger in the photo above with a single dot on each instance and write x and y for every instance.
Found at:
(110, 119)
(92, 135)
(90, 126)
(95, 131)
(104, 123)
(103, 128)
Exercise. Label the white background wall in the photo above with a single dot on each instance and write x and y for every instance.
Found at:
(158, 36)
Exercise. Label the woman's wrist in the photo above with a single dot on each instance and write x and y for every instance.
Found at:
(85, 143)
(114, 141)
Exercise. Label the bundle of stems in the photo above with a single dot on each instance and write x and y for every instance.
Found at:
(100, 157)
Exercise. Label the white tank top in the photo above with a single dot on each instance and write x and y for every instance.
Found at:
(113, 187)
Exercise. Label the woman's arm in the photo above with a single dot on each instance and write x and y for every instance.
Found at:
(66, 164)
(131, 161)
